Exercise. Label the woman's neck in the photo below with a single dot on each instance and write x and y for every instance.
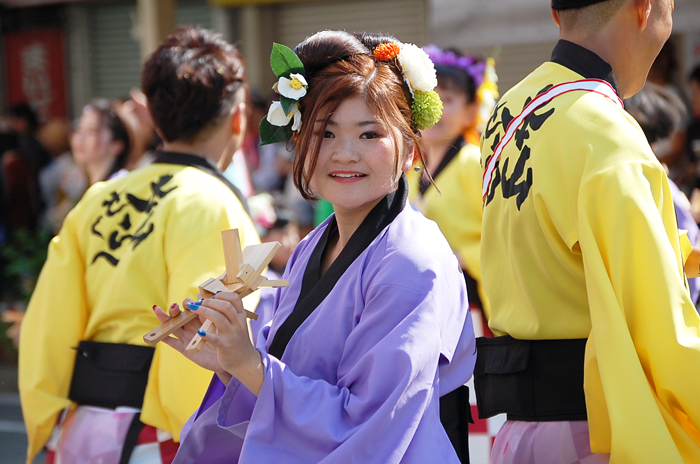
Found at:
(99, 171)
(205, 150)
(436, 152)
(348, 222)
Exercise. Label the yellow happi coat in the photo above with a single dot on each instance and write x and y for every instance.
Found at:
(579, 240)
(149, 238)
(456, 208)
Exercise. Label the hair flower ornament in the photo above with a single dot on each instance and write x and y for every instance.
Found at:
(419, 73)
(417, 68)
(386, 51)
(293, 88)
(284, 117)
(280, 118)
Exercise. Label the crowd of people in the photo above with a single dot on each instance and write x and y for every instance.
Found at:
(407, 197)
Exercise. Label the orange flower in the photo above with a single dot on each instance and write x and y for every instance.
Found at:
(386, 51)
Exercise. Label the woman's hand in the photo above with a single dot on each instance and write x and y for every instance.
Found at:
(207, 356)
(235, 352)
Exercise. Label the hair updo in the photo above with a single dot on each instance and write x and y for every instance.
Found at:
(453, 78)
(339, 65)
(192, 81)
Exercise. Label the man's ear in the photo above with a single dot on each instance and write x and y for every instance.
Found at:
(643, 12)
(555, 17)
(239, 119)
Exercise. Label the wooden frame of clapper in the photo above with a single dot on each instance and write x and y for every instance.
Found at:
(242, 276)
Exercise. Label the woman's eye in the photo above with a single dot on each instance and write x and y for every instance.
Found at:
(328, 135)
(369, 135)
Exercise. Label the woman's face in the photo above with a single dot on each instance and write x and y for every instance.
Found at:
(457, 115)
(91, 142)
(356, 164)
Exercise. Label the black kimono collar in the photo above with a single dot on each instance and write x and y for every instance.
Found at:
(449, 156)
(584, 62)
(201, 163)
(316, 287)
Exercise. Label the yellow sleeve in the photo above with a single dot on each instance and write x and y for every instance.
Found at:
(193, 252)
(458, 211)
(467, 229)
(54, 323)
(641, 369)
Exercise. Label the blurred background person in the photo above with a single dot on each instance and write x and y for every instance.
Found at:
(100, 142)
(62, 181)
(24, 122)
(661, 114)
(673, 151)
(265, 173)
(467, 88)
(693, 130)
(22, 157)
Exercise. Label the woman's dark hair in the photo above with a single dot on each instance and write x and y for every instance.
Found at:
(192, 81)
(337, 66)
(658, 111)
(454, 78)
(110, 120)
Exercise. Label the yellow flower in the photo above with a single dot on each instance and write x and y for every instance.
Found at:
(294, 87)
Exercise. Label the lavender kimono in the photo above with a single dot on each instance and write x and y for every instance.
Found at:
(382, 334)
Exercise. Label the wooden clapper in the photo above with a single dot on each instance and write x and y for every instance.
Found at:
(242, 276)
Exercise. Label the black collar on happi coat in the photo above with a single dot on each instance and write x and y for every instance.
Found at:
(449, 156)
(316, 287)
(584, 62)
(203, 164)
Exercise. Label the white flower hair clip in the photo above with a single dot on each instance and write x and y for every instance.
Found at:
(283, 117)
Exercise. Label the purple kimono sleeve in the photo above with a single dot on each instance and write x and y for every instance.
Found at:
(202, 440)
(382, 409)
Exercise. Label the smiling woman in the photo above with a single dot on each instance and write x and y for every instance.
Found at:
(374, 327)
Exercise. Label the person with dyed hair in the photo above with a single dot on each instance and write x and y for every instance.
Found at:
(91, 390)
(597, 338)
(101, 142)
(374, 327)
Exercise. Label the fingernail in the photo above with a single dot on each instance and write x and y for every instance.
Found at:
(173, 306)
(154, 307)
(193, 307)
(201, 332)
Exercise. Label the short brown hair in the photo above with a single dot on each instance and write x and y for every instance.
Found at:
(339, 65)
(192, 81)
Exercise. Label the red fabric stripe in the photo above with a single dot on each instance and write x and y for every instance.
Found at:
(147, 435)
(168, 449)
(479, 425)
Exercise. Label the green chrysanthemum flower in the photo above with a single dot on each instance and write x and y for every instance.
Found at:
(427, 109)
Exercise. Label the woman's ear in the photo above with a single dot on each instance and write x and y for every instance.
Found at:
(409, 156)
